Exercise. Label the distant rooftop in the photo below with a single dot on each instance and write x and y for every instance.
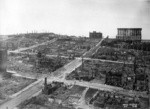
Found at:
(130, 28)
(95, 32)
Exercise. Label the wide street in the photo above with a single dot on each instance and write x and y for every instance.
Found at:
(31, 47)
(99, 86)
(26, 93)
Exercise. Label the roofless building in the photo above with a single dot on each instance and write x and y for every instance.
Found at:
(129, 34)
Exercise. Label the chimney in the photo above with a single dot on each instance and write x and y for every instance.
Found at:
(45, 83)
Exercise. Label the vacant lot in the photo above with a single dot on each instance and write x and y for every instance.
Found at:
(31, 66)
(62, 98)
(124, 50)
(25, 40)
(10, 84)
(64, 47)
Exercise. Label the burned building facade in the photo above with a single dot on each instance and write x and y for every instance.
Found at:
(129, 34)
(131, 81)
(95, 35)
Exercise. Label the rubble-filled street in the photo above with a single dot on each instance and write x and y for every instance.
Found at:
(71, 47)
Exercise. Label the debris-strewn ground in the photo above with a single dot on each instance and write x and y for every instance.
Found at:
(68, 97)
(28, 66)
(25, 40)
(66, 47)
(113, 49)
(62, 98)
(97, 71)
(10, 84)
(105, 99)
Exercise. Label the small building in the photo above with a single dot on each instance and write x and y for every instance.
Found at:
(95, 35)
(3, 60)
(129, 34)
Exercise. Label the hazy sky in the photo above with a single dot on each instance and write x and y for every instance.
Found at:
(74, 17)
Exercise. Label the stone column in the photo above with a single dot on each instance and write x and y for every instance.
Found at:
(139, 32)
(135, 33)
(121, 32)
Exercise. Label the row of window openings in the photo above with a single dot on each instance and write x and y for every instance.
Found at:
(129, 33)
(129, 37)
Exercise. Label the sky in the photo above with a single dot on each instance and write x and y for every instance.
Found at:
(74, 17)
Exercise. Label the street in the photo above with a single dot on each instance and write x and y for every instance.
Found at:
(31, 47)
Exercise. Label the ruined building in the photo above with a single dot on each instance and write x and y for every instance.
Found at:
(95, 35)
(129, 34)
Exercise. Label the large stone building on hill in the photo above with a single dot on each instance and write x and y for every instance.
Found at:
(95, 35)
(129, 34)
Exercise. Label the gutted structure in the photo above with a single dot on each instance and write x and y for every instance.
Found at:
(129, 34)
(95, 35)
